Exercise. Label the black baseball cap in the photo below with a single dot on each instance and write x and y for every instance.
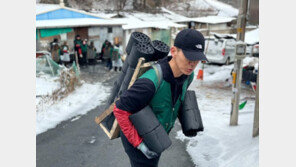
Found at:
(192, 43)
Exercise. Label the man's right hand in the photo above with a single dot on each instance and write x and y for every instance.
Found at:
(145, 150)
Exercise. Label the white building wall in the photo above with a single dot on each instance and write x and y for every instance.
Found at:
(100, 34)
(218, 26)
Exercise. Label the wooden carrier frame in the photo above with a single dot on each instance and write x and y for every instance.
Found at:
(114, 132)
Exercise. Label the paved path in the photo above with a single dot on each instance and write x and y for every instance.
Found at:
(82, 143)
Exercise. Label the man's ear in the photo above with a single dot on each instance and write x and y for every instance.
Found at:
(173, 51)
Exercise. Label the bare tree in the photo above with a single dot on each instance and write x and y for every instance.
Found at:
(144, 4)
(187, 7)
(66, 2)
(158, 3)
(84, 4)
(120, 4)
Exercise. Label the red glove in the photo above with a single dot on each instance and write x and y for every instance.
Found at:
(127, 127)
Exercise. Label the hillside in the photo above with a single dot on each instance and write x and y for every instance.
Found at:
(189, 8)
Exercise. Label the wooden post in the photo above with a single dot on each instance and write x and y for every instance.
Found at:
(241, 21)
(256, 114)
(77, 63)
(136, 72)
(114, 132)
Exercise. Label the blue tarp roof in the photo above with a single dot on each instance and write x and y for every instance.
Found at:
(64, 13)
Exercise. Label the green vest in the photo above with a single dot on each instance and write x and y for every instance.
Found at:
(162, 104)
(84, 48)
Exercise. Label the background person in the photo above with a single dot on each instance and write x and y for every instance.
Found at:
(116, 59)
(91, 54)
(55, 51)
(77, 48)
(84, 52)
(65, 54)
(108, 55)
(103, 49)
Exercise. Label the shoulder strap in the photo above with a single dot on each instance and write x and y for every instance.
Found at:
(158, 72)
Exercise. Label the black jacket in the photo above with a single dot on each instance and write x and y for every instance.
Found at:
(142, 91)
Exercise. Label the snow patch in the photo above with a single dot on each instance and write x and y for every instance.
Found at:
(224, 9)
(93, 139)
(45, 84)
(76, 118)
(79, 102)
(221, 145)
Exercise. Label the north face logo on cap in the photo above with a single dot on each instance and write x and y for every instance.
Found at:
(199, 46)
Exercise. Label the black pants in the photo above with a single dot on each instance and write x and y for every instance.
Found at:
(115, 69)
(137, 158)
(84, 58)
(109, 63)
(81, 60)
(91, 61)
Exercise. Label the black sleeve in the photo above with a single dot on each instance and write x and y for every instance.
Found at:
(137, 96)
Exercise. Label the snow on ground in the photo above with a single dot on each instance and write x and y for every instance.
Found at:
(221, 145)
(223, 8)
(45, 85)
(79, 102)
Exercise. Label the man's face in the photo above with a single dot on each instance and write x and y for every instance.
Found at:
(185, 66)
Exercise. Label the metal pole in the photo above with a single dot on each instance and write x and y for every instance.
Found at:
(256, 114)
(237, 73)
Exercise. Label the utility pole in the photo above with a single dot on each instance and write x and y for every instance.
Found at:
(237, 73)
(241, 22)
(256, 114)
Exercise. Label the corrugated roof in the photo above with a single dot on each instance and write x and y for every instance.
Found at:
(152, 24)
(131, 21)
(79, 22)
(44, 8)
(163, 20)
(209, 19)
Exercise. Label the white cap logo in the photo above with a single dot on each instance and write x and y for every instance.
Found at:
(199, 46)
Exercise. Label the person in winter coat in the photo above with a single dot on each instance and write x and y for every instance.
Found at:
(55, 51)
(77, 48)
(54, 42)
(84, 52)
(103, 49)
(108, 55)
(249, 74)
(165, 102)
(65, 55)
(116, 58)
(91, 53)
